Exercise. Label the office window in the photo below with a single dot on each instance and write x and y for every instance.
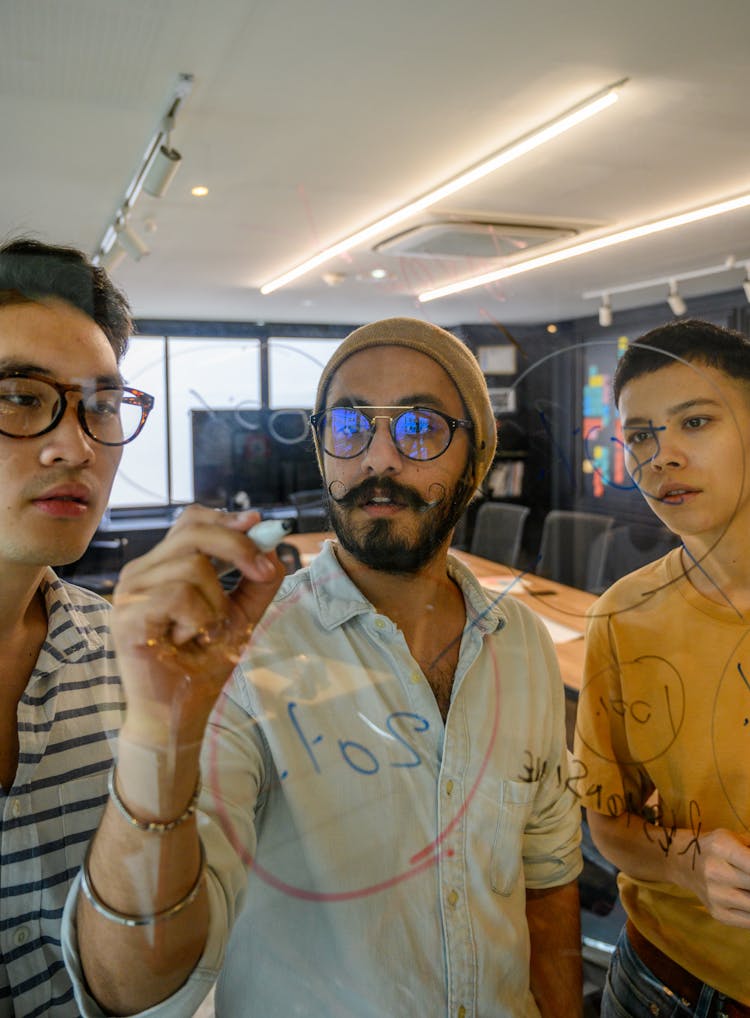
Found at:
(206, 374)
(294, 369)
(142, 477)
(210, 375)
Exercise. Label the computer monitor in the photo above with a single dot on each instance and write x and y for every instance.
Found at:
(268, 454)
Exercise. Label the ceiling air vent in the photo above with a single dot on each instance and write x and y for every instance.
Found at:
(470, 240)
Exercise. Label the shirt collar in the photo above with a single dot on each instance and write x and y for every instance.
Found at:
(484, 609)
(338, 599)
(71, 635)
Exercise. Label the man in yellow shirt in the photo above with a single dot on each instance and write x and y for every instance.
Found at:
(664, 717)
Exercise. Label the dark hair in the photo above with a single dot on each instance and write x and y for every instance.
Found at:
(31, 271)
(689, 340)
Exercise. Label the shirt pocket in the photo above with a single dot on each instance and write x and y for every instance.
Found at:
(516, 801)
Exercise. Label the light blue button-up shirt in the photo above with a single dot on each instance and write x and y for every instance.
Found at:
(370, 859)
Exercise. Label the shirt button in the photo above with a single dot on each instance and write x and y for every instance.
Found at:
(21, 935)
(16, 807)
(380, 623)
(415, 676)
(453, 898)
(448, 787)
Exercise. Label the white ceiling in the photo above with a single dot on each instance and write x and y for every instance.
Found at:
(310, 119)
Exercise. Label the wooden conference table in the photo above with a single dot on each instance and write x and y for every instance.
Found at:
(563, 609)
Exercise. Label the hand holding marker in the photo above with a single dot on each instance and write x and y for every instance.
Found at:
(264, 535)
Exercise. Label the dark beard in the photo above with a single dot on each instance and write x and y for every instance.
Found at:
(378, 546)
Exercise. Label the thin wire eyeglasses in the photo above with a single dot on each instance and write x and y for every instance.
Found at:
(419, 433)
(31, 405)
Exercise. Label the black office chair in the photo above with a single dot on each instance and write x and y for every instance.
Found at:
(498, 531)
(628, 548)
(569, 552)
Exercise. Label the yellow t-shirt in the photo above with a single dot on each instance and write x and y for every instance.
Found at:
(665, 706)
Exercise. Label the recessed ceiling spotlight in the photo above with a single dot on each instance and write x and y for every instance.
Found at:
(552, 328)
(379, 273)
(199, 191)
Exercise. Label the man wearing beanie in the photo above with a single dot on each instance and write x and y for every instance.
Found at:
(385, 814)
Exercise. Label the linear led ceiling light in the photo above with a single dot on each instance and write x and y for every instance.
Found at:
(610, 240)
(552, 129)
(154, 175)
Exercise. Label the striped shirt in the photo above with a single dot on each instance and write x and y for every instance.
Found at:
(68, 719)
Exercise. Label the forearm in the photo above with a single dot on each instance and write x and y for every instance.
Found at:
(141, 874)
(556, 975)
(644, 850)
(178, 636)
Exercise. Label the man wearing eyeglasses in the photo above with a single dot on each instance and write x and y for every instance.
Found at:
(389, 827)
(64, 417)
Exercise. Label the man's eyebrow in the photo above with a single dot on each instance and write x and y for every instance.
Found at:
(27, 367)
(678, 408)
(13, 364)
(428, 399)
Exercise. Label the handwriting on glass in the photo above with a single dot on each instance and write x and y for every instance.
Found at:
(358, 756)
(658, 827)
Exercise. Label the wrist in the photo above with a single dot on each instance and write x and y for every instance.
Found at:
(155, 782)
(165, 727)
(151, 826)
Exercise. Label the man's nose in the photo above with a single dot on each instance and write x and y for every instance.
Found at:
(68, 442)
(381, 455)
(669, 453)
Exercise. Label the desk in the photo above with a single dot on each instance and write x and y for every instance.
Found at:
(554, 601)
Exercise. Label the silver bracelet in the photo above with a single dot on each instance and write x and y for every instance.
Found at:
(151, 826)
(122, 918)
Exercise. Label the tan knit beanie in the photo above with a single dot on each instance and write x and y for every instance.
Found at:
(450, 353)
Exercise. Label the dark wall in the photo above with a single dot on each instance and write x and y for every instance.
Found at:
(548, 429)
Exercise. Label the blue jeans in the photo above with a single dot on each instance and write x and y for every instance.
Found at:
(633, 991)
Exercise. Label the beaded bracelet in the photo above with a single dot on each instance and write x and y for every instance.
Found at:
(122, 918)
(151, 826)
